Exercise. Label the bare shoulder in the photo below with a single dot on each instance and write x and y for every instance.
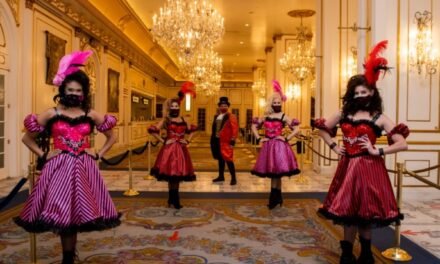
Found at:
(384, 119)
(385, 122)
(46, 115)
(96, 116)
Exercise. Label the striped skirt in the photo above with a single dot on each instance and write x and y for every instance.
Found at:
(69, 196)
(361, 194)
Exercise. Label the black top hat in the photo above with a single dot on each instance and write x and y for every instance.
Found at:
(223, 100)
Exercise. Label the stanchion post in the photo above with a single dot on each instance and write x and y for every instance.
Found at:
(301, 179)
(32, 236)
(148, 176)
(130, 191)
(396, 253)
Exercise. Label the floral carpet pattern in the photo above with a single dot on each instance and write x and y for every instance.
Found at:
(208, 231)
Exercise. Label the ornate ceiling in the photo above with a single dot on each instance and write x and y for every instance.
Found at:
(251, 26)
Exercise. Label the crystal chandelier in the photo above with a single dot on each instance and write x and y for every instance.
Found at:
(210, 86)
(299, 60)
(204, 69)
(198, 65)
(422, 55)
(186, 25)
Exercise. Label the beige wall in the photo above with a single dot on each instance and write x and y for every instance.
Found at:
(22, 60)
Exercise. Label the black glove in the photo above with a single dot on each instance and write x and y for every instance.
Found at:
(232, 142)
(41, 161)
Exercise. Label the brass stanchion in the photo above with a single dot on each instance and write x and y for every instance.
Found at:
(302, 179)
(32, 236)
(148, 177)
(130, 191)
(396, 253)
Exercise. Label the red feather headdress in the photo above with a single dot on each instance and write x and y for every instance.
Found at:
(186, 88)
(374, 64)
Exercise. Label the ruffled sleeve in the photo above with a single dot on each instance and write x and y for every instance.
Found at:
(191, 129)
(256, 121)
(320, 124)
(109, 122)
(31, 124)
(400, 129)
(295, 122)
(153, 129)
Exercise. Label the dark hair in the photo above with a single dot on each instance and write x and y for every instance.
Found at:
(349, 106)
(81, 78)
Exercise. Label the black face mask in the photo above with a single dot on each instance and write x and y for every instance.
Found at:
(276, 108)
(362, 103)
(71, 100)
(174, 112)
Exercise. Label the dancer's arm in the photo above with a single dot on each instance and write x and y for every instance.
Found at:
(327, 132)
(35, 124)
(191, 131)
(154, 130)
(293, 125)
(396, 137)
(256, 125)
(104, 124)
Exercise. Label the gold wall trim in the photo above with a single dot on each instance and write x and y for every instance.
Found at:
(421, 150)
(84, 15)
(398, 63)
(437, 127)
(2, 44)
(321, 61)
(340, 53)
(14, 5)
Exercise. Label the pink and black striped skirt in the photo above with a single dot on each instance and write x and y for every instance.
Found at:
(69, 196)
(361, 194)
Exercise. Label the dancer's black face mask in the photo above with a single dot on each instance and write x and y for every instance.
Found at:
(276, 108)
(174, 112)
(362, 103)
(71, 100)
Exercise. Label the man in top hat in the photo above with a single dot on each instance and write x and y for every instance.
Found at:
(224, 133)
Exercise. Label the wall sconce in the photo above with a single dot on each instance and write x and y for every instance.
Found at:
(351, 64)
(293, 91)
(421, 53)
(262, 102)
(187, 102)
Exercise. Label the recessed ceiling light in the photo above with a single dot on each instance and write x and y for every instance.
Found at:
(241, 42)
(246, 25)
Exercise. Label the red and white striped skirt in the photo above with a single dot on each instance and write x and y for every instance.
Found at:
(361, 194)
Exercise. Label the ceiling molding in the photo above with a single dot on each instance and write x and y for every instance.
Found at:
(83, 15)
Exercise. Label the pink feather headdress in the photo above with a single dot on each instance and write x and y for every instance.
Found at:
(277, 89)
(69, 64)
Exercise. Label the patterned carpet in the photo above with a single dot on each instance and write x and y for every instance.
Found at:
(205, 231)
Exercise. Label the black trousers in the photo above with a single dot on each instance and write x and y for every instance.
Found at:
(216, 152)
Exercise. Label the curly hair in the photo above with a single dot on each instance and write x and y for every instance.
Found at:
(268, 110)
(81, 78)
(349, 104)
